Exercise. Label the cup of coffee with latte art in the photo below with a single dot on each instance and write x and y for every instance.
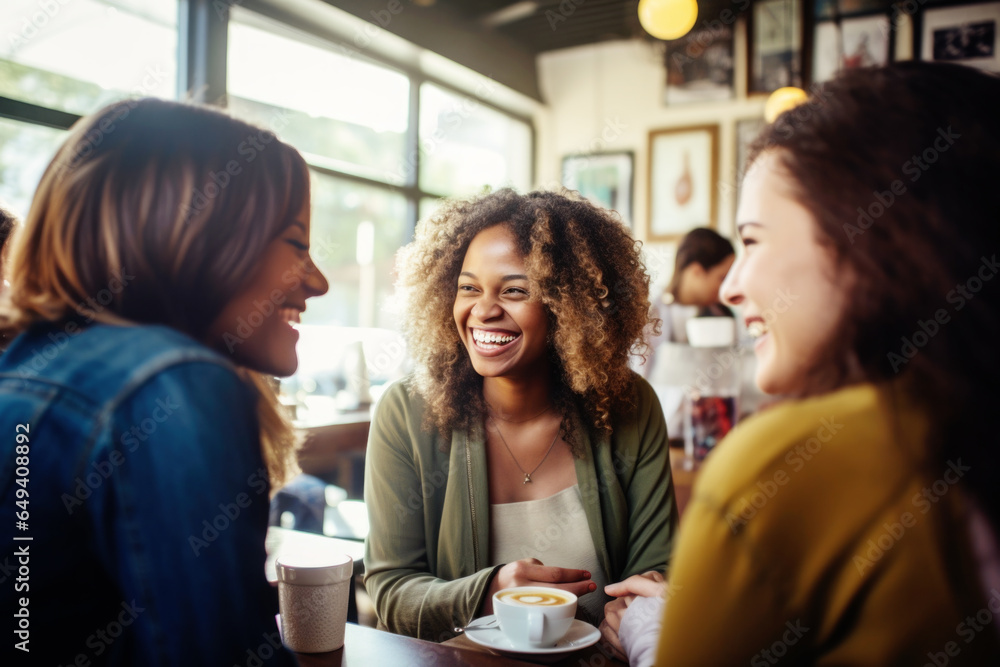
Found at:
(534, 616)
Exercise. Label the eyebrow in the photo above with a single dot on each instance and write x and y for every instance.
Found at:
(739, 227)
(512, 276)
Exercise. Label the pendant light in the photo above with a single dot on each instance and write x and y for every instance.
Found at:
(668, 19)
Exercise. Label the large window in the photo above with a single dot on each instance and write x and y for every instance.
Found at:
(356, 230)
(74, 57)
(344, 114)
(25, 151)
(79, 55)
(467, 146)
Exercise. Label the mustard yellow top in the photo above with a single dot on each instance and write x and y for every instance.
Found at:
(820, 533)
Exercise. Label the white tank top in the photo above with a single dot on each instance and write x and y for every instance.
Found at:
(555, 531)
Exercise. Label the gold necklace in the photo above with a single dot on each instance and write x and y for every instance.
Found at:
(527, 475)
(511, 421)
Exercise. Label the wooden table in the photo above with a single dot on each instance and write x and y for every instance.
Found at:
(684, 472)
(367, 647)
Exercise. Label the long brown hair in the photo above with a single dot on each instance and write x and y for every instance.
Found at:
(173, 202)
(589, 276)
(898, 165)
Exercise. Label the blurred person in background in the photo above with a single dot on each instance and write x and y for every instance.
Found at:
(154, 288)
(703, 258)
(702, 261)
(857, 524)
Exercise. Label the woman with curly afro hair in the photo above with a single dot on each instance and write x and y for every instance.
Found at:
(523, 450)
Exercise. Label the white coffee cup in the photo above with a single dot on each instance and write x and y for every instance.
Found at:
(534, 616)
(313, 591)
(711, 331)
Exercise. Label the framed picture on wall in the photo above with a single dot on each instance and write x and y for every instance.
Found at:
(966, 35)
(828, 9)
(775, 46)
(603, 178)
(858, 41)
(700, 66)
(683, 172)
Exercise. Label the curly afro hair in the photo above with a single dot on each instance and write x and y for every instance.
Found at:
(582, 265)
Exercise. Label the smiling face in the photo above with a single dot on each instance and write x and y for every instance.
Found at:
(255, 327)
(785, 282)
(503, 329)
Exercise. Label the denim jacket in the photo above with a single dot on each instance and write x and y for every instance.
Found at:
(133, 502)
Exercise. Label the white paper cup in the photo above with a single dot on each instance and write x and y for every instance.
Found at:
(313, 592)
(530, 619)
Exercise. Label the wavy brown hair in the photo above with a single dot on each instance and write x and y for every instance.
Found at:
(898, 166)
(170, 194)
(582, 265)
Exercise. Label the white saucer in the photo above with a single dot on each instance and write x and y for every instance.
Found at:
(581, 635)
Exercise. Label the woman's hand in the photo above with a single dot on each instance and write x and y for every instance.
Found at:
(531, 572)
(647, 584)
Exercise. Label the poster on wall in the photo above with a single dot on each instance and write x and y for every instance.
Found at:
(603, 178)
(965, 35)
(683, 172)
(699, 66)
(775, 45)
(860, 41)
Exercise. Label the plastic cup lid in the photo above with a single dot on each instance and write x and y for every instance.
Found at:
(314, 569)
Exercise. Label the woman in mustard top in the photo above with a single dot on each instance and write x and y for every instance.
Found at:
(855, 524)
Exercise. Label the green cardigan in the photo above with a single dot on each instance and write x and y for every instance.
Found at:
(427, 563)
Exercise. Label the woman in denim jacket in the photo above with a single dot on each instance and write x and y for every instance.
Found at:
(164, 258)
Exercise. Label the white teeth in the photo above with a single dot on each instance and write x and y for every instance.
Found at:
(492, 338)
(291, 315)
(757, 329)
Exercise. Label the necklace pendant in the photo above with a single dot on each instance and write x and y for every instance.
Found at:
(527, 478)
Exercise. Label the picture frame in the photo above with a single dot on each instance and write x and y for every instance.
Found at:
(683, 172)
(831, 9)
(856, 41)
(961, 34)
(606, 179)
(699, 67)
(775, 46)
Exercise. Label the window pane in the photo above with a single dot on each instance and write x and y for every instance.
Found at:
(427, 207)
(25, 151)
(78, 56)
(356, 231)
(466, 147)
(342, 113)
